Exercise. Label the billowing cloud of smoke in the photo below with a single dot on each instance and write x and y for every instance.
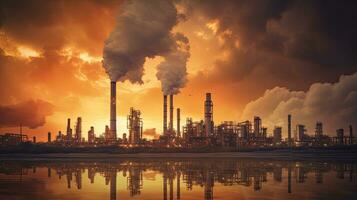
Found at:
(143, 30)
(30, 114)
(292, 38)
(334, 104)
(172, 71)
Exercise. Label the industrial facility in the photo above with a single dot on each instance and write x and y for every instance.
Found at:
(191, 134)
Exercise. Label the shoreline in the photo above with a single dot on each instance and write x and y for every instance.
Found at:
(286, 155)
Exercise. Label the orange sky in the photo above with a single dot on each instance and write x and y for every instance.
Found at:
(56, 56)
(72, 79)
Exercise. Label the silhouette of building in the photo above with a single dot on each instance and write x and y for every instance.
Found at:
(135, 126)
(91, 135)
(277, 135)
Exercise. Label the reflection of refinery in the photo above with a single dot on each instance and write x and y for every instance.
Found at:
(188, 174)
(192, 134)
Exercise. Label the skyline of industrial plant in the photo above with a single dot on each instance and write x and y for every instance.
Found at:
(253, 60)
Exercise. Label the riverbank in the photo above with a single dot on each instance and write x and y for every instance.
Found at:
(279, 155)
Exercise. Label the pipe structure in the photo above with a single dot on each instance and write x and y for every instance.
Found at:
(178, 111)
(113, 111)
(171, 123)
(165, 115)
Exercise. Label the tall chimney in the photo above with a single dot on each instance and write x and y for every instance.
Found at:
(208, 115)
(165, 114)
(21, 132)
(79, 129)
(69, 132)
(49, 137)
(289, 130)
(178, 122)
(113, 111)
(351, 135)
(171, 123)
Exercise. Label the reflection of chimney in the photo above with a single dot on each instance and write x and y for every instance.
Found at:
(178, 196)
(113, 112)
(171, 123)
(165, 186)
(165, 114)
(178, 122)
(113, 186)
(171, 183)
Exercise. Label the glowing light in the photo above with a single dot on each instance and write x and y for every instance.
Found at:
(213, 26)
(202, 35)
(27, 52)
(88, 58)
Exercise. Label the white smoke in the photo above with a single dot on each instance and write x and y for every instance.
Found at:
(334, 104)
(143, 29)
(172, 71)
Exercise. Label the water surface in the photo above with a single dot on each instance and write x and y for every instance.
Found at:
(178, 179)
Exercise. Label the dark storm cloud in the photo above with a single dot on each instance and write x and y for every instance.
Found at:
(40, 23)
(30, 113)
(296, 38)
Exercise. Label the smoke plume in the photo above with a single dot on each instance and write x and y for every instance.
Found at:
(172, 71)
(334, 104)
(143, 30)
(30, 113)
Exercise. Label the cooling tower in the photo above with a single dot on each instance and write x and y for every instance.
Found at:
(113, 111)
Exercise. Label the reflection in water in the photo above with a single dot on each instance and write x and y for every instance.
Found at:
(196, 172)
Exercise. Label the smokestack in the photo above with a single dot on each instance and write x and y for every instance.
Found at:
(49, 137)
(21, 132)
(178, 122)
(208, 115)
(289, 130)
(113, 111)
(69, 133)
(79, 129)
(171, 123)
(165, 114)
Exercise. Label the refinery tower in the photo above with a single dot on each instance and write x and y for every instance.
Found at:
(113, 111)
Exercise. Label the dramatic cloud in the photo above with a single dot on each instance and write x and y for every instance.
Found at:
(51, 74)
(142, 30)
(172, 72)
(268, 41)
(30, 114)
(334, 104)
(40, 23)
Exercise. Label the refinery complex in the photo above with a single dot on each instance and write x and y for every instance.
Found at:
(191, 134)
